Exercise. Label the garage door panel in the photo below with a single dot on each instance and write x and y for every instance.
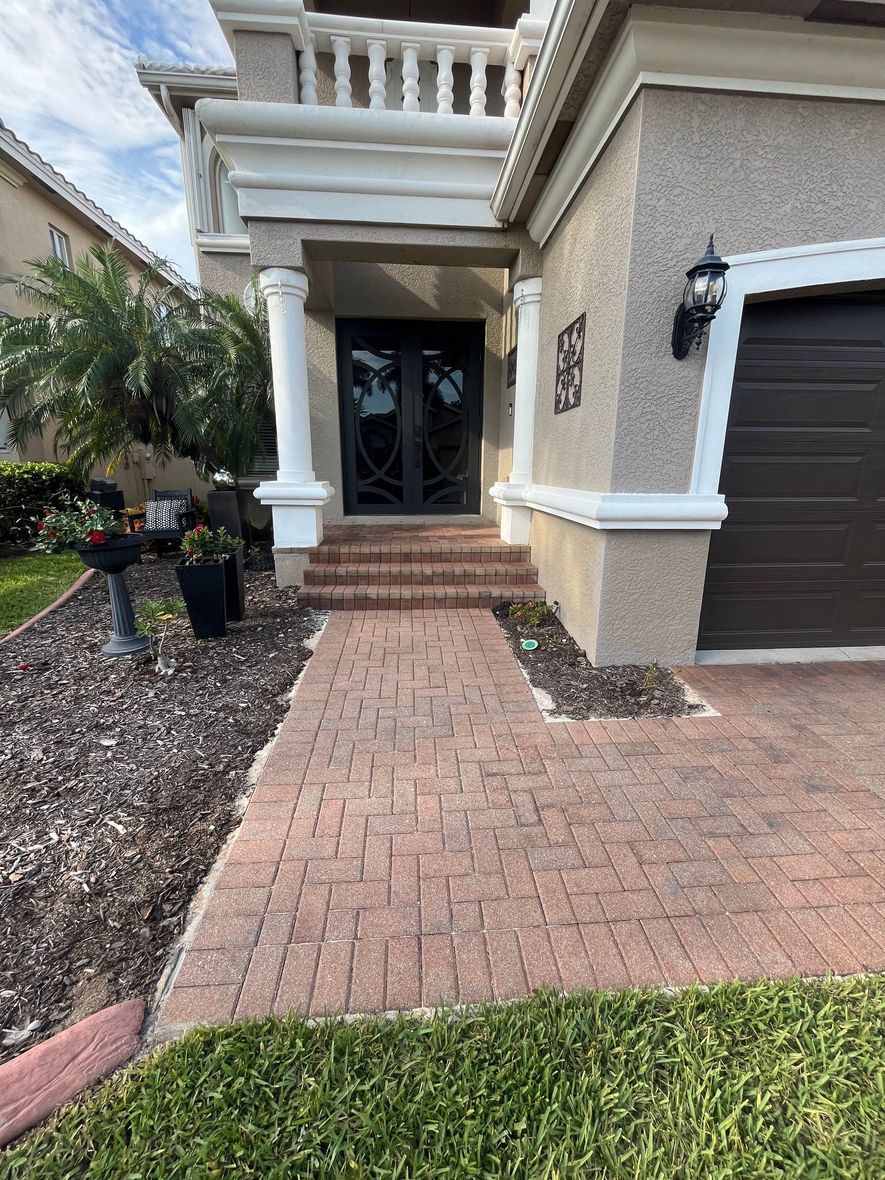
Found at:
(780, 477)
(868, 615)
(806, 405)
(800, 559)
(792, 617)
(748, 547)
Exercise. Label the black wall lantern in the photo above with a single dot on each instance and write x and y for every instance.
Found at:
(702, 298)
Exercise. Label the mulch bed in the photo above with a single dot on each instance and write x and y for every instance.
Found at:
(119, 786)
(581, 692)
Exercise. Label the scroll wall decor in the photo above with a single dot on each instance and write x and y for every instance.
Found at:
(570, 366)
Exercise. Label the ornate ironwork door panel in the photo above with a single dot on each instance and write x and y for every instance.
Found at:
(411, 395)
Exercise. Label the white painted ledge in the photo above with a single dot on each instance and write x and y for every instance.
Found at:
(324, 163)
(222, 243)
(616, 510)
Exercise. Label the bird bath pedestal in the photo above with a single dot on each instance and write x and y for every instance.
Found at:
(112, 557)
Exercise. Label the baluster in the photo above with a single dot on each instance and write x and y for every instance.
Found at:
(512, 91)
(478, 60)
(411, 89)
(377, 75)
(308, 76)
(445, 79)
(341, 46)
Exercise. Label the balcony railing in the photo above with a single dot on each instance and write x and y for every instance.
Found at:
(413, 66)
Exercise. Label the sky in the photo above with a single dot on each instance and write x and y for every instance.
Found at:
(68, 88)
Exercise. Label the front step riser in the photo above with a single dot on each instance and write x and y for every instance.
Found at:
(401, 555)
(418, 575)
(442, 598)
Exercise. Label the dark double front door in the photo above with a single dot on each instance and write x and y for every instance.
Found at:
(411, 413)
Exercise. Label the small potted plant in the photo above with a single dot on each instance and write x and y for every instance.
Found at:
(101, 543)
(202, 577)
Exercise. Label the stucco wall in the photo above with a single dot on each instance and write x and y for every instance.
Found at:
(266, 67)
(569, 558)
(585, 267)
(762, 172)
(391, 291)
(229, 274)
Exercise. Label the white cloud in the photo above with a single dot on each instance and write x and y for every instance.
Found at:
(69, 88)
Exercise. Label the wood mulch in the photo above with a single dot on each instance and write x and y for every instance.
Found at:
(118, 788)
(580, 692)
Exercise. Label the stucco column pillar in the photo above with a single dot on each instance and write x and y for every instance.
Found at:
(516, 516)
(296, 496)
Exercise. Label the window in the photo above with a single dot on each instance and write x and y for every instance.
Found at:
(61, 245)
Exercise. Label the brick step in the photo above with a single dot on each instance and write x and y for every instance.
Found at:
(413, 573)
(420, 552)
(439, 597)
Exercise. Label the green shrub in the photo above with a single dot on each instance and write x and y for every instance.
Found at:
(27, 488)
(533, 614)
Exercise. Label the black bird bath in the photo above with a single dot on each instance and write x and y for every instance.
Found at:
(112, 557)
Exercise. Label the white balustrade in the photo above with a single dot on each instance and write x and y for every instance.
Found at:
(402, 46)
(445, 79)
(512, 91)
(377, 75)
(479, 59)
(308, 77)
(341, 49)
(411, 89)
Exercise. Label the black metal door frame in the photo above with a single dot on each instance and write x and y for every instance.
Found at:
(413, 336)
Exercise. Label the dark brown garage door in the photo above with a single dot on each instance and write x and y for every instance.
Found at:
(800, 560)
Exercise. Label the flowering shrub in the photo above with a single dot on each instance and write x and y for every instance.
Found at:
(27, 487)
(201, 546)
(75, 523)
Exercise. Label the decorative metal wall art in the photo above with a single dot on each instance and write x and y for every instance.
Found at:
(511, 367)
(570, 366)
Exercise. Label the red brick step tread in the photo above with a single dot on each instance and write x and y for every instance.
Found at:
(468, 594)
(413, 573)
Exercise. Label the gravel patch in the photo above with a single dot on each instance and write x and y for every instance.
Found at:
(561, 674)
(118, 788)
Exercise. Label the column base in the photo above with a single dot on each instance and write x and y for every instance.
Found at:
(516, 517)
(297, 512)
(289, 565)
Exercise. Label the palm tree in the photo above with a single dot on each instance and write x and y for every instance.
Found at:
(112, 363)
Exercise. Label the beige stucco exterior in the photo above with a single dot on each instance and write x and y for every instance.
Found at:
(27, 210)
(640, 218)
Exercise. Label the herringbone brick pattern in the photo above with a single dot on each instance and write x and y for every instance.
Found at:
(420, 834)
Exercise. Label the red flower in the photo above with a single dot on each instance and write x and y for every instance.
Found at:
(24, 667)
(200, 528)
(40, 526)
(97, 537)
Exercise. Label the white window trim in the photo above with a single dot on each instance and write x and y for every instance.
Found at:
(55, 232)
(824, 264)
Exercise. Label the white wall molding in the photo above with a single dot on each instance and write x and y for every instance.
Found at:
(223, 243)
(714, 52)
(795, 268)
(616, 510)
(323, 163)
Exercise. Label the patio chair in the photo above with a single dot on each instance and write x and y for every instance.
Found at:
(167, 516)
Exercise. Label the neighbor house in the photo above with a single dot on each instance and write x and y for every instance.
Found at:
(43, 213)
(472, 226)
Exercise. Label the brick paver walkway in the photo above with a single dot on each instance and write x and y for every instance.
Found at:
(420, 833)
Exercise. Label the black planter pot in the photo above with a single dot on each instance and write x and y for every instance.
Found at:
(202, 587)
(234, 586)
(112, 557)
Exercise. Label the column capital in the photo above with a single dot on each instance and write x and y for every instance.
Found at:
(282, 280)
(526, 291)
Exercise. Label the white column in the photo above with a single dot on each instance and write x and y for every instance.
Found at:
(296, 496)
(516, 516)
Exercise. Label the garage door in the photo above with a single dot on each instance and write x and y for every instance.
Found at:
(800, 560)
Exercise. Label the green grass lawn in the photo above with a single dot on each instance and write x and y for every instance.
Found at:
(742, 1081)
(33, 581)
